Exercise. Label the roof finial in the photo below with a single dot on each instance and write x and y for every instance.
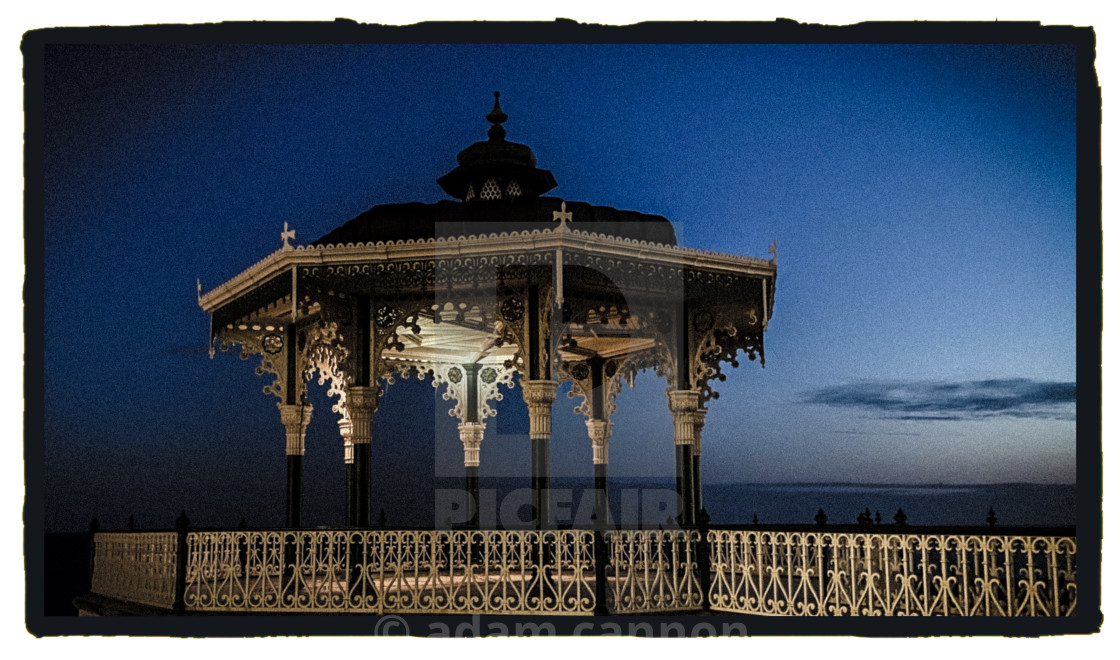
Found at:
(497, 117)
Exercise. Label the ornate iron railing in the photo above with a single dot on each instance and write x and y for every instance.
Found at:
(819, 573)
(404, 572)
(756, 571)
(652, 571)
(137, 567)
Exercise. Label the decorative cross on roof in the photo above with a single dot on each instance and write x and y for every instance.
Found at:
(286, 235)
(562, 216)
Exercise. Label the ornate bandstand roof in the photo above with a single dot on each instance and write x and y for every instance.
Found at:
(502, 276)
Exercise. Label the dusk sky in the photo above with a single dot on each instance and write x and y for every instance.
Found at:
(922, 199)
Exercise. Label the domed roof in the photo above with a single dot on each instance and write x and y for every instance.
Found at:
(448, 219)
(496, 168)
(499, 189)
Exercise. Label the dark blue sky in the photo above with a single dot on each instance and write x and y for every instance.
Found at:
(922, 199)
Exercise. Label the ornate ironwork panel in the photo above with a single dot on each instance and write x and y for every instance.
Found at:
(817, 573)
(652, 571)
(138, 567)
(404, 572)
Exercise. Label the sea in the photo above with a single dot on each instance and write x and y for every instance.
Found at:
(646, 501)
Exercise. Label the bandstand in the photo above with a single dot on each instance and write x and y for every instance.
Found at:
(469, 293)
(503, 289)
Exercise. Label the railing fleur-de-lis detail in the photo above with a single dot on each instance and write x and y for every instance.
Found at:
(814, 573)
(554, 572)
(418, 572)
(653, 571)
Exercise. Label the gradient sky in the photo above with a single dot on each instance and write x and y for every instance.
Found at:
(922, 199)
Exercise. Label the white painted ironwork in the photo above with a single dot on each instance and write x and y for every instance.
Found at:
(295, 419)
(137, 567)
(553, 572)
(683, 404)
(470, 434)
(405, 572)
(652, 571)
(287, 235)
(539, 396)
(563, 216)
(820, 573)
(600, 433)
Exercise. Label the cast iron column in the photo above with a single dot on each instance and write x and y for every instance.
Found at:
(697, 485)
(539, 395)
(599, 430)
(600, 433)
(357, 427)
(470, 434)
(683, 404)
(295, 419)
(361, 402)
(346, 430)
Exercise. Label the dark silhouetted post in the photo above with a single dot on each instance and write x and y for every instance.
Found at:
(704, 558)
(900, 517)
(94, 526)
(820, 518)
(601, 557)
(182, 523)
(992, 520)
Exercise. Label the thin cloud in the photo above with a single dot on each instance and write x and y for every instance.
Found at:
(944, 401)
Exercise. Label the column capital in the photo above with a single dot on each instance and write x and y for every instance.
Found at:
(361, 403)
(295, 418)
(539, 392)
(683, 401)
(361, 398)
(698, 418)
(683, 404)
(539, 396)
(295, 414)
(470, 434)
(600, 433)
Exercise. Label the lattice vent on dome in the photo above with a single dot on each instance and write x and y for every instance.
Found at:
(490, 190)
